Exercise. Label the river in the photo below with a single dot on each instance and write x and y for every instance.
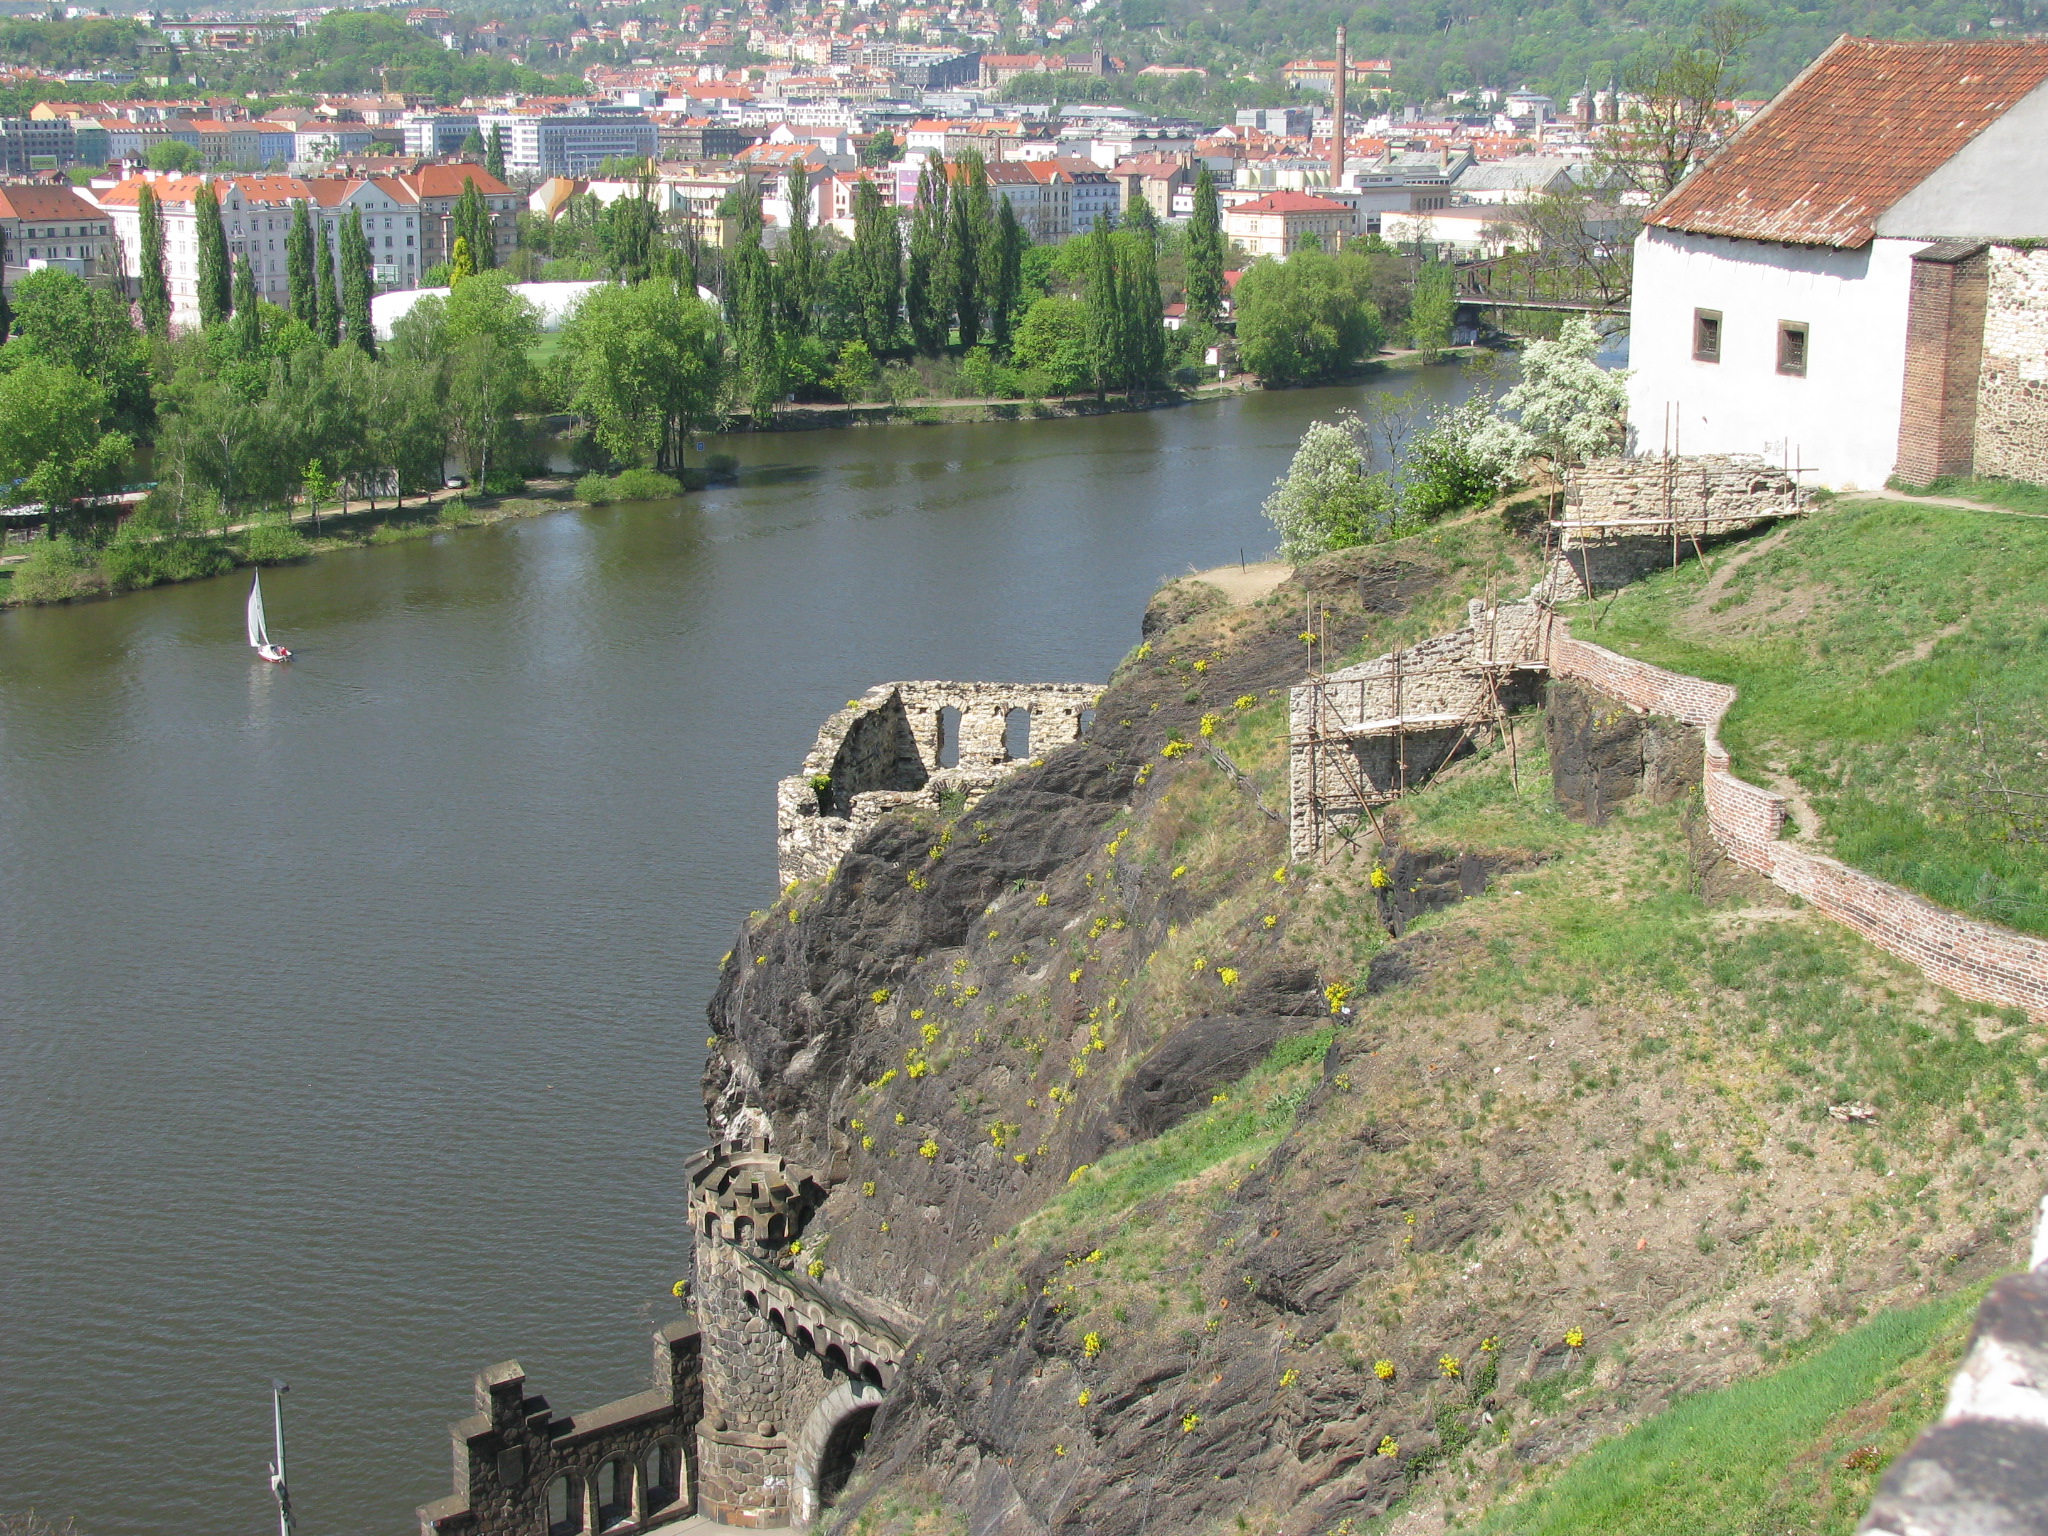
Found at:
(351, 1013)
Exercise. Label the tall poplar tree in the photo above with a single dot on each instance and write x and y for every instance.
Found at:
(216, 278)
(924, 278)
(248, 320)
(970, 238)
(1205, 253)
(355, 283)
(155, 297)
(1101, 307)
(327, 302)
(877, 267)
(1008, 274)
(6, 309)
(751, 308)
(801, 276)
(1140, 312)
(494, 161)
(472, 220)
(298, 266)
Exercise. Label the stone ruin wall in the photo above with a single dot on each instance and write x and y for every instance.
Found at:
(509, 1452)
(1443, 677)
(883, 753)
(1681, 499)
(1343, 731)
(2012, 384)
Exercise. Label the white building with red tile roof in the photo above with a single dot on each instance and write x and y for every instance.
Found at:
(1786, 296)
(256, 216)
(54, 226)
(1277, 224)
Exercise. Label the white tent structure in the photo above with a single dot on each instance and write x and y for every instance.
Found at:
(554, 301)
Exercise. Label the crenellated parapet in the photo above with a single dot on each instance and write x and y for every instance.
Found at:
(905, 745)
(521, 1469)
(748, 1194)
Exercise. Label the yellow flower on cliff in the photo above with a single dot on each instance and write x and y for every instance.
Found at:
(879, 996)
(1449, 1365)
(1576, 1339)
(1085, 1398)
(1091, 1345)
(930, 1149)
(1209, 724)
(1245, 701)
(815, 1269)
(1384, 1369)
(1388, 1446)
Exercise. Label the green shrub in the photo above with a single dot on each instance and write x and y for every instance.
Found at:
(456, 511)
(595, 489)
(135, 562)
(722, 466)
(56, 569)
(271, 543)
(644, 485)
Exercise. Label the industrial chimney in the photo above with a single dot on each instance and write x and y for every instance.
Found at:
(1337, 115)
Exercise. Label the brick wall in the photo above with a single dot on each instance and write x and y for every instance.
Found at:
(1976, 960)
(2012, 393)
(1944, 347)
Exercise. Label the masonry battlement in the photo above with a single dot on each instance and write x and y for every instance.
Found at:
(903, 745)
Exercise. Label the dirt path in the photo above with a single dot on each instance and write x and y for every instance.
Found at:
(1945, 501)
(1245, 584)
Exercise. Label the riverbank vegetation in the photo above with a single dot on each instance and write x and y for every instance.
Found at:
(1396, 465)
(265, 407)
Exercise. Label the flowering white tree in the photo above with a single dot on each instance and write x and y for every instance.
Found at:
(1326, 500)
(1567, 408)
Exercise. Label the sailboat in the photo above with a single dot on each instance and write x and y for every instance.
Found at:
(259, 637)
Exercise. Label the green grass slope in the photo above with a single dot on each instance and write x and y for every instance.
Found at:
(1893, 666)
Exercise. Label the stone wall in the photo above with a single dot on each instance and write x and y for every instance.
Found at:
(1624, 518)
(787, 1356)
(628, 1466)
(2012, 393)
(1976, 960)
(1339, 763)
(885, 752)
(1983, 1469)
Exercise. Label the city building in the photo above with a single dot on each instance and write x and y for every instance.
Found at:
(50, 226)
(571, 143)
(435, 190)
(1276, 224)
(256, 216)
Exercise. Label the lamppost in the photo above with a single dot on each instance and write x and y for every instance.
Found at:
(277, 1487)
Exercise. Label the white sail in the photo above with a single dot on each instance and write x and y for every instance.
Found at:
(258, 635)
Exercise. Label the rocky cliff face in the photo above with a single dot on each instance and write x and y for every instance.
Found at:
(1224, 1191)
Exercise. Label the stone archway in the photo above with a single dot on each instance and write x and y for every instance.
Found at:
(829, 1446)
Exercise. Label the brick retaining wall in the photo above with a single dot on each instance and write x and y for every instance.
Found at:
(1980, 961)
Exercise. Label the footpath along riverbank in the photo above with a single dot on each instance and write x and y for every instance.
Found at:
(88, 572)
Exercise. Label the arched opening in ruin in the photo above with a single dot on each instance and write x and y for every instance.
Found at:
(841, 1455)
(614, 1493)
(871, 1373)
(664, 1472)
(949, 737)
(829, 1447)
(835, 1361)
(565, 1504)
(1017, 734)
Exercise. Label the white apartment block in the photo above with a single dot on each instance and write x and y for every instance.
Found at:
(256, 216)
(569, 143)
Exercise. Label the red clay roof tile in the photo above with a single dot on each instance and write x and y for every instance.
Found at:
(1865, 124)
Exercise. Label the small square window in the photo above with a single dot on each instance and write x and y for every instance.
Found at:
(1706, 335)
(1792, 348)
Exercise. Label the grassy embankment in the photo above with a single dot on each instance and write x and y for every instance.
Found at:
(1893, 663)
(1598, 1107)
(58, 570)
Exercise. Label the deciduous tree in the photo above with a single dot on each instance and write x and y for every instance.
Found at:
(216, 279)
(1205, 254)
(155, 287)
(298, 266)
(645, 369)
